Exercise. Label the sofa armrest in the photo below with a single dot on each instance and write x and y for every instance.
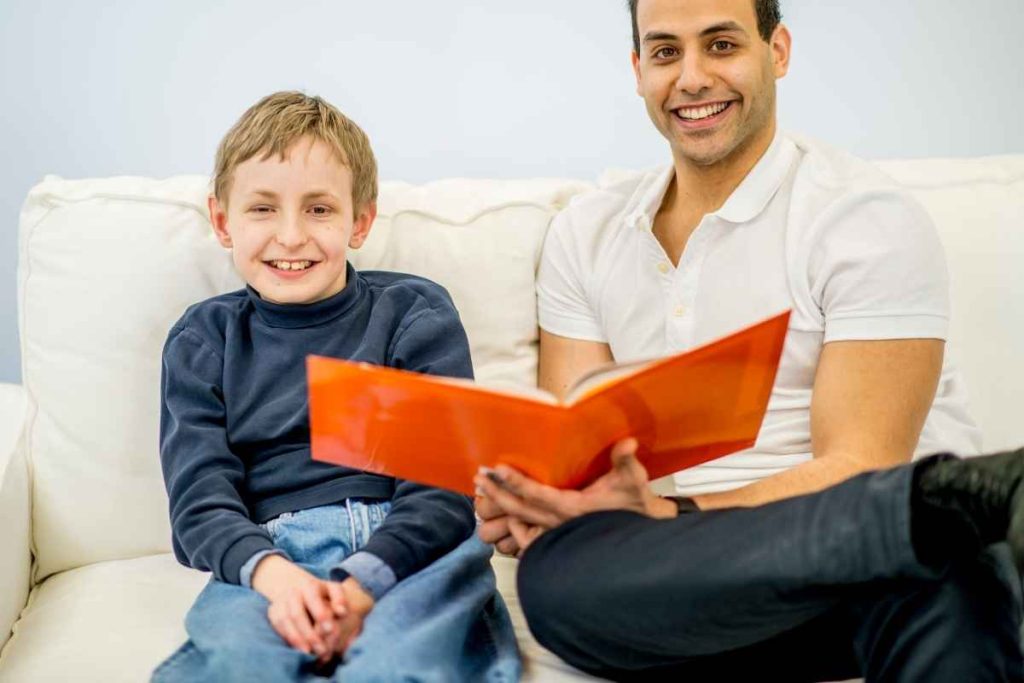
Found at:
(15, 508)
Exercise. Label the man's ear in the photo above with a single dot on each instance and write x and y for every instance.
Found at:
(635, 58)
(219, 220)
(362, 224)
(781, 44)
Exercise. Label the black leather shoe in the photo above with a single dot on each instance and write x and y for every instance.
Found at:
(985, 493)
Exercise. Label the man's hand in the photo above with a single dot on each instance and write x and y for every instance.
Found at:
(512, 504)
(309, 614)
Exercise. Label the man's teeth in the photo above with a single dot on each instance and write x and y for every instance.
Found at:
(291, 265)
(702, 112)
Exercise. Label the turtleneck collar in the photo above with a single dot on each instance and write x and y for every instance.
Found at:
(314, 314)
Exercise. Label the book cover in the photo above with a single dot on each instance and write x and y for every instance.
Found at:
(683, 409)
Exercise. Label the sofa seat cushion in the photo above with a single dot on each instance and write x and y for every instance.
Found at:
(115, 621)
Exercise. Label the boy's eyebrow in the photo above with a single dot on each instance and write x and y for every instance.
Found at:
(312, 194)
(717, 28)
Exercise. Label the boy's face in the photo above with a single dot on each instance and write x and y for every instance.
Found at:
(289, 223)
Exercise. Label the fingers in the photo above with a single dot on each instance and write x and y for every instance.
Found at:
(292, 620)
(493, 530)
(320, 606)
(523, 534)
(624, 453)
(336, 597)
(507, 546)
(282, 616)
(522, 497)
(486, 508)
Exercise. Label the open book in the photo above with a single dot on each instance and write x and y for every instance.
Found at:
(683, 410)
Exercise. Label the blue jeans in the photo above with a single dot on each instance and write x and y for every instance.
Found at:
(445, 623)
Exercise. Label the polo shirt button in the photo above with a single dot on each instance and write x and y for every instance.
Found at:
(663, 267)
(678, 311)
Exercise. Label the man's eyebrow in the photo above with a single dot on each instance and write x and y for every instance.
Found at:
(659, 35)
(724, 27)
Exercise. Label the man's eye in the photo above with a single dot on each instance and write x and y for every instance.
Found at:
(664, 53)
(721, 46)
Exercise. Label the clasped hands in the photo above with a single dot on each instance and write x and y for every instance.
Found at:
(312, 615)
(515, 509)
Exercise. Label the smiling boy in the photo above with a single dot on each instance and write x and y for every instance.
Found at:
(310, 561)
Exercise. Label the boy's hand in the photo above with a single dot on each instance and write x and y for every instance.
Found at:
(358, 604)
(305, 611)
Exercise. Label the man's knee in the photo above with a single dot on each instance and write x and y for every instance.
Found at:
(562, 577)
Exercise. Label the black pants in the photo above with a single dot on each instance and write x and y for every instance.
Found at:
(820, 587)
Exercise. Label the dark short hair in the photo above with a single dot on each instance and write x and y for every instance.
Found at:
(768, 17)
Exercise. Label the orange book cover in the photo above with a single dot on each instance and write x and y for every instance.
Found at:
(683, 409)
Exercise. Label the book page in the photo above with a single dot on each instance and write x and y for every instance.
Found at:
(600, 377)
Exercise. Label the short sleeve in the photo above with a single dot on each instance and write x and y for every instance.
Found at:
(563, 307)
(878, 270)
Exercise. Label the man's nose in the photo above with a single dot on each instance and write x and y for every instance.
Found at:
(694, 75)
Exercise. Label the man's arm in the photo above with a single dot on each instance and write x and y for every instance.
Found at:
(868, 406)
(563, 360)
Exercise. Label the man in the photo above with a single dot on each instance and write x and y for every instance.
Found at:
(844, 568)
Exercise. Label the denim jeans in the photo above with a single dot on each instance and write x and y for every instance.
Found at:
(445, 623)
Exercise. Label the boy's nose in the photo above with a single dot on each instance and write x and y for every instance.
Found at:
(291, 234)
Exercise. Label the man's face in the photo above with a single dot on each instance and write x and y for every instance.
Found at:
(289, 223)
(707, 77)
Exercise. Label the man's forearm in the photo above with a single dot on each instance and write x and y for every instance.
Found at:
(808, 477)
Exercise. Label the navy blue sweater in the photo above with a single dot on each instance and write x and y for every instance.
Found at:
(234, 422)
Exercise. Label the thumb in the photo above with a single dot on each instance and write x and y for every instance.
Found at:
(624, 454)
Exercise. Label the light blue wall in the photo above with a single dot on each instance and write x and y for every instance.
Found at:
(452, 87)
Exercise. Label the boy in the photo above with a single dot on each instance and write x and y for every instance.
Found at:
(306, 556)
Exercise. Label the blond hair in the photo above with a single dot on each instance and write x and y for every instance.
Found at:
(274, 123)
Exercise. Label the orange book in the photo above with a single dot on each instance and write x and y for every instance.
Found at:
(684, 410)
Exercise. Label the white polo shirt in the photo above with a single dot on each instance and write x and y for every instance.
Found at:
(811, 229)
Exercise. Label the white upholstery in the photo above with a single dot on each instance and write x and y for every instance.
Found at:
(978, 206)
(15, 556)
(105, 267)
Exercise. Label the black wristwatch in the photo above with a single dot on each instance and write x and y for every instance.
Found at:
(684, 505)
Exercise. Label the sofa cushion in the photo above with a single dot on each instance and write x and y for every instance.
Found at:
(115, 621)
(978, 208)
(107, 265)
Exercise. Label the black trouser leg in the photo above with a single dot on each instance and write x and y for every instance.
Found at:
(617, 593)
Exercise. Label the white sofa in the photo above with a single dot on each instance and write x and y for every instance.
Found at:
(89, 587)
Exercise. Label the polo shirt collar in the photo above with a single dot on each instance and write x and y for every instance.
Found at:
(746, 202)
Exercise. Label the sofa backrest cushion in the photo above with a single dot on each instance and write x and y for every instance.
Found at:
(978, 208)
(107, 265)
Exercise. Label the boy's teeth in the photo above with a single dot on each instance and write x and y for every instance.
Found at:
(291, 265)
(702, 112)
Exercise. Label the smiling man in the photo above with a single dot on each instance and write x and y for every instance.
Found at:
(819, 553)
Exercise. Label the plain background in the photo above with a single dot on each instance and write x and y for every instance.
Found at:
(458, 88)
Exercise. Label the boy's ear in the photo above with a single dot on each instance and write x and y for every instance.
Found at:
(219, 220)
(362, 224)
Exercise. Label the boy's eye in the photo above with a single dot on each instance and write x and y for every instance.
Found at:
(260, 209)
(321, 210)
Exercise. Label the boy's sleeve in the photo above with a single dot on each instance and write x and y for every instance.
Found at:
(424, 522)
(210, 525)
